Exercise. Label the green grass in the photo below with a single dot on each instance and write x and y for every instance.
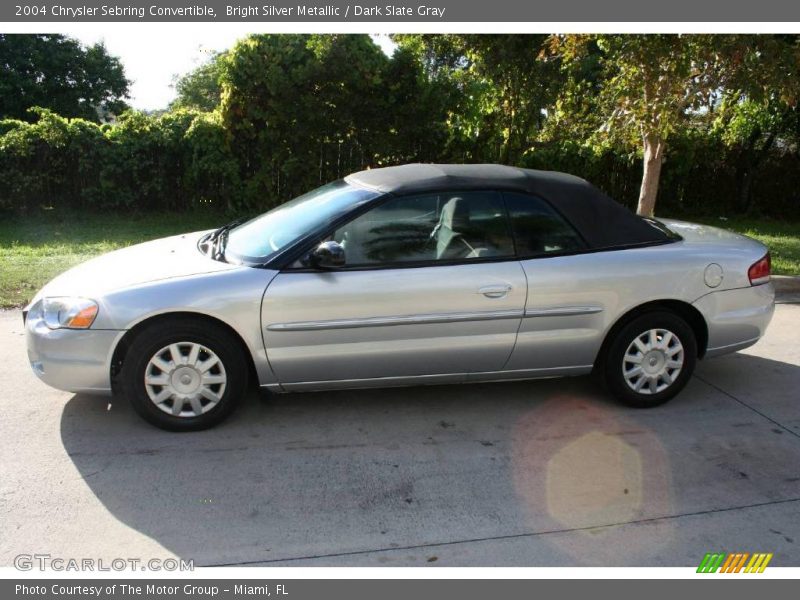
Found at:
(33, 250)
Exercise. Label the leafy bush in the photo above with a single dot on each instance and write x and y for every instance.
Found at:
(699, 176)
(296, 111)
(175, 161)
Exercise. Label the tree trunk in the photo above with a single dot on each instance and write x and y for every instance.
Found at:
(504, 149)
(653, 157)
(744, 179)
(748, 166)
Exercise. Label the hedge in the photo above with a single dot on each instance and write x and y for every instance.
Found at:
(184, 159)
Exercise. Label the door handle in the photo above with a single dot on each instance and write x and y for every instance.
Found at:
(495, 291)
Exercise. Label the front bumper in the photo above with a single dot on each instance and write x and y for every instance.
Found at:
(73, 360)
(736, 318)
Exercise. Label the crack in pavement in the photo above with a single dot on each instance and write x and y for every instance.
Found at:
(530, 534)
(746, 405)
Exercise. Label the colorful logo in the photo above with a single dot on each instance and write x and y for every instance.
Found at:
(734, 562)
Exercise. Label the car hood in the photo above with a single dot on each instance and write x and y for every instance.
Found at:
(165, 258)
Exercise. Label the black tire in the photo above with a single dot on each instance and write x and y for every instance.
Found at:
(187, 331)
(617, 382)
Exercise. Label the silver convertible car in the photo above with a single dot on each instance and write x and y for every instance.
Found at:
(407, 275)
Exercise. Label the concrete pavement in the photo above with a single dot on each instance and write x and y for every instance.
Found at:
(547, 473)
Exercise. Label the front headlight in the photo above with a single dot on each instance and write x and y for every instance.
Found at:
(69, 313)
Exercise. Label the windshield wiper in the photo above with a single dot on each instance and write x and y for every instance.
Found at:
(219, 238)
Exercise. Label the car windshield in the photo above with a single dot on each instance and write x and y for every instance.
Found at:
(257, 240)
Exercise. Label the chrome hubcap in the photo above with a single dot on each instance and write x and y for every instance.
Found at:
(653, 361)
(185, 379)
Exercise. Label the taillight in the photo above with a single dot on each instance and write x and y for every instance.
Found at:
(759, 271)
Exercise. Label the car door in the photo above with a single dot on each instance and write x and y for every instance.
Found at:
(565, 312)
(430, 289)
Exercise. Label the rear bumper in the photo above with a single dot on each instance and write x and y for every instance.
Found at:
(70, 359)
(736, 318)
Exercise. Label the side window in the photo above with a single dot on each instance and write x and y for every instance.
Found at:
(538, 228)
(429, 227)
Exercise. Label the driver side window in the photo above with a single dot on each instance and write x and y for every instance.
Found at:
(429, 227)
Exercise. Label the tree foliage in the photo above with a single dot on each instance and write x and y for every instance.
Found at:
(301, 110)
(505, 84)
(56, 72)
(708, 122)
(200, 89)
(650, 87)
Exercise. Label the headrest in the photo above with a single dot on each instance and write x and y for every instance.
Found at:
(455, 214)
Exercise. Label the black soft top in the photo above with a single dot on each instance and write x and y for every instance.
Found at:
(601, 221)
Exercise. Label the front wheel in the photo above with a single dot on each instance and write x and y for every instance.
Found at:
(650, 359)
(184, 375)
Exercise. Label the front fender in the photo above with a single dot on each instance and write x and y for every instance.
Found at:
(232, 297)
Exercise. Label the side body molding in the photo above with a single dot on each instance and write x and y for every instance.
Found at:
(398, 320)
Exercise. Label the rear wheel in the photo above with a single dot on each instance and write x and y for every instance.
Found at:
(650, 359)
(183, 376)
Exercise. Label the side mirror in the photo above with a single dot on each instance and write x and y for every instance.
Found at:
(328, 255)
